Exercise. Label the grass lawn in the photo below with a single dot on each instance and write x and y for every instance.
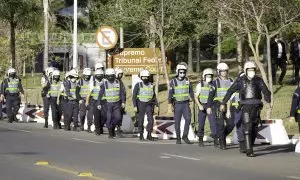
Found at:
(283, 95)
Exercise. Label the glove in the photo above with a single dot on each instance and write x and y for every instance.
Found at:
(135, 109)
(222, 108)
(81, 101)
(123, 105)
(201, 108)
(99, 107)
(169, 109)
(1, 98)
(228, 115)
(209, 111)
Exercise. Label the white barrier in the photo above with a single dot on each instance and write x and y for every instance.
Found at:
(297, 148)
(271, 131)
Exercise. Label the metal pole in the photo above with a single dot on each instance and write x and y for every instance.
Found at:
(121, 37)
(46, 35)
(75, 50)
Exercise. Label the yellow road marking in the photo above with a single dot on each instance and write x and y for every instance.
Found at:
(75, 173)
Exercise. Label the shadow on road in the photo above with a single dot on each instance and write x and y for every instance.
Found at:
(20, 153)
(276, 149)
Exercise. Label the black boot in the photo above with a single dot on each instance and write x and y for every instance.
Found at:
(119, 132)
(113, 131)
(178, 139)
(149, 137)
(186, 140)
(216, 142)
(59, 125)
(75, 128)
(55, 126)
(10, 119)
(248, 145)
(200, 143)
(141, 137)
(46, 123)
(90, 131)
(110, 133)
(15, 118)
(223, 144)
(81, 127)
(242, 146)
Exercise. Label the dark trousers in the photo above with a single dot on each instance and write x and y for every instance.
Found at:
(94, 111)
(12, 107)
(182, 109)
(236, 115)
(298, 120)
(54, 111)
(282, 64)
(113, 114)
(145, 108)
(72, 110)
(46, 104)
(222, 130)
(62, 104)
(83, 111)
(251, 119)
(297, 68)
(103, 113)
(201, 123)
(1, 111)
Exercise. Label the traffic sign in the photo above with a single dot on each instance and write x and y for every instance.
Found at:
(106, 37)
(132, 60)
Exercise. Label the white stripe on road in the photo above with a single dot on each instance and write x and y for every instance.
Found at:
(85, 140)
(293, 177)
(182, 157)
(14, 129)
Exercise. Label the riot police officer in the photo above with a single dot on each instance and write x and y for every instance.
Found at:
(93, 98)
(83, 104)
(72, 95)
(219, 88)
(12, 88)
(251, 88)
(119, 76)
(144, 99)
(62, 99)
(180, 95)
(54, 91)
(45, 83)
(113, 93)
(295, 107)
(201, 97)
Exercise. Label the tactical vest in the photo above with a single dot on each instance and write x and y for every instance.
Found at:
(96, 89)
(54, 89)
(205, 88)
(181, 90)
(145, 92)
(73, 90)
(112, 91)
(13, 86)
(63, 93)
(251, 89)
(222, 88)
(84, 88)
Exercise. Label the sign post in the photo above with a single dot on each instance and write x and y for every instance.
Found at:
(106, 37)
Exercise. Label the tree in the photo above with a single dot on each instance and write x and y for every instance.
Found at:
(19, 14)
(259, 19)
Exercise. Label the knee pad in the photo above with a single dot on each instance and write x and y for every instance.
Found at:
(247, 132)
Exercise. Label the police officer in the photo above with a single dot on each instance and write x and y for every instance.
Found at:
(63, 99)
(113, 93)
(45, 83)
(119, 76)
(12, 88)
(93, 98)
(201, 96)
(54, 91)
(251, 88)
(144, 99)
(180, 95)
(72, 94)
(83, 104)
(295, 107)
(219, 88)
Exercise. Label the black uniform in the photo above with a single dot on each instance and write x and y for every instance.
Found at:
(295, 107)
(295, 57)
(251, 105)
(12, 88)
(278, 59)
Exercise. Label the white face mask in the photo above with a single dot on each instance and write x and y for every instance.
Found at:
(208, 78)
(73, 80)
(251, 74)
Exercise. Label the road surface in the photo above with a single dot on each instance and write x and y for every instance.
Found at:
(70, 154)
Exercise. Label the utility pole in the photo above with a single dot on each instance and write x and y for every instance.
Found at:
(75, 48)
(46, 35)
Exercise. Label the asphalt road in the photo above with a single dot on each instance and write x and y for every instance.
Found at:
(70, 153)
